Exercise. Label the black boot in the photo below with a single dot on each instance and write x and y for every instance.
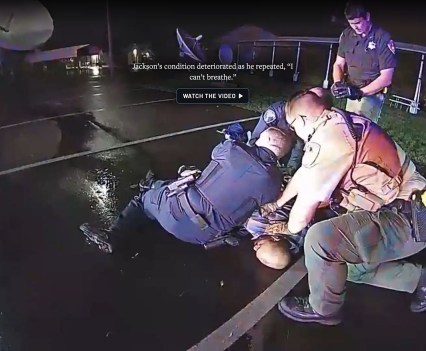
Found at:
(100, 237)
(300, 310)
(146, 184)
(419, 301)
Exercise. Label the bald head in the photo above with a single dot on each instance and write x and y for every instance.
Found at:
(273, 254)
(324, 95)
(304, 103)
(276, 140)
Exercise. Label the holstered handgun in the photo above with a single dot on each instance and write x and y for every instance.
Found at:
(222, 240)
(418, 215)
(180, 185)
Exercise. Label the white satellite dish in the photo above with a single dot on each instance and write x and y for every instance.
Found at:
(24, 25)
(190, 46)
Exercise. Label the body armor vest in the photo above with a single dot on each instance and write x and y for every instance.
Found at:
(376, 173)
(236, 185)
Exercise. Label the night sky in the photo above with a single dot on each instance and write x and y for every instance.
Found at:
(76, 23)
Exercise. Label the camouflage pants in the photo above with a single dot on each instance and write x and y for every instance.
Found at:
(368, 106)
(362, 247)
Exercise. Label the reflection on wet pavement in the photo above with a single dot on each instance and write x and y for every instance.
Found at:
(102, 129)
(102, 195)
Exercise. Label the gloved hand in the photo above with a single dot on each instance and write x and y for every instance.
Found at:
(341, 90)
(185, 171)
(337, 89)
(235, 132)
(268, 208)
(280, 228)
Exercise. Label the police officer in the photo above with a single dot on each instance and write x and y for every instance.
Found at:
(352, 161)
(274, 116)
(368, 52)
(239, 179)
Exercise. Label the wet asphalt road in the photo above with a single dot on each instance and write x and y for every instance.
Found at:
(59, 293)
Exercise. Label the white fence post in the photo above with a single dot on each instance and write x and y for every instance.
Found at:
(415, 104)
(325, 82)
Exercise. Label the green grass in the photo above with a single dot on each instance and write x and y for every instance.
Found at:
(406, 129)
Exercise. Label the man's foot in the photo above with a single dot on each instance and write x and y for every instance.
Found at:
(146, 184)
(299, 309)
(419, 301)
(98, 236)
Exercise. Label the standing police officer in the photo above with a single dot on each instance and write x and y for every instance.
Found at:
(354, 162)
(368, 52)
(201, 207)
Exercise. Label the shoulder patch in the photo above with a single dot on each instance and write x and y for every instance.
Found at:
(391, 46)
(311, 153)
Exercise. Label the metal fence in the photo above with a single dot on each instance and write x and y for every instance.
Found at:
(412, 104)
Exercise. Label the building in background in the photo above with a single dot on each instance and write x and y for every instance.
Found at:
(79, 57)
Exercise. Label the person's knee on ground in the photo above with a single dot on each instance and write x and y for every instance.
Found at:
(273, 254)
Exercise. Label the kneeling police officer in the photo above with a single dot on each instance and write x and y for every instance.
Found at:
(274, 116)
(351, 161)
(201, 206)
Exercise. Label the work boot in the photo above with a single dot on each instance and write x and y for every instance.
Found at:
(146, 184)
(299, 309)
(100, 237)
(418, 304)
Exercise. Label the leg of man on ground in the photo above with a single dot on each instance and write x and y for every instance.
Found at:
(131, 218)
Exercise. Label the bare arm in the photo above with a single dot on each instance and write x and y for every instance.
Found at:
(381, 82)
(301, 214)
(290, 191)
(339, 69)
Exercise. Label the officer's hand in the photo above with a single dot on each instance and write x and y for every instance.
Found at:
(342, 90)
(339, 90)
(268, 208)
(280, 228)
(235, 132)
(354, 93)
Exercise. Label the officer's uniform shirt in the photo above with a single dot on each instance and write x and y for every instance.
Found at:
(328, 156)
(273, 116)
(366, 57)
(412, 180)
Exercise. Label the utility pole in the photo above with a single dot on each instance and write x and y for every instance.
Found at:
(111, 63)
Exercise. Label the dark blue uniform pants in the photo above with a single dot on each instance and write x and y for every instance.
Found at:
(154, 204)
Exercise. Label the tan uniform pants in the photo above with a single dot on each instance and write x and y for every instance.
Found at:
(362, 247)
(368, 106)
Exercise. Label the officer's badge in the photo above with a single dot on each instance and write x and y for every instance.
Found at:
(391, 46)
(269, 117)
(371, 45)
(311, 153)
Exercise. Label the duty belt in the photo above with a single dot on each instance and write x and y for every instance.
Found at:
(195, 217)
(415, 211)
